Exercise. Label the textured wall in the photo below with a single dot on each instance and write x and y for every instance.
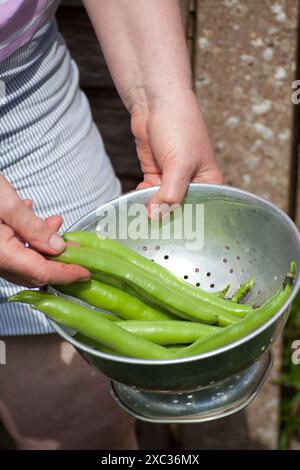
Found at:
(244, 67)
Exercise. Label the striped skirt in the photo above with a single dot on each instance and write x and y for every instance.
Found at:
(50, 149)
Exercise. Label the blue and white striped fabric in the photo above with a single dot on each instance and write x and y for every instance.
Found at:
(50, 149)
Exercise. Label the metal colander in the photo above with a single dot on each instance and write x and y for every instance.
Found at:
(244, 236)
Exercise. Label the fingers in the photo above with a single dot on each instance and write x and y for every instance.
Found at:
(53, 272)
(174, 183)
(54, 222)
(25, 223)
(143, 185)
(28, 268)
(152, 179)
(20, 264)
(60, 275)
(25, 266)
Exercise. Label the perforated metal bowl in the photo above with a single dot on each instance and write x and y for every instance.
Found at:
(243, 236)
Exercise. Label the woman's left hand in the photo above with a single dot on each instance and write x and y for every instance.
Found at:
(173, 146)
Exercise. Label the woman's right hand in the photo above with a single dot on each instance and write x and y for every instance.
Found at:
(24, 238)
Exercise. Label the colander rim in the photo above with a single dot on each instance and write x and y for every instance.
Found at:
(228, 190)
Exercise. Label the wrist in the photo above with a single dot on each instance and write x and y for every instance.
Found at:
(143, 99)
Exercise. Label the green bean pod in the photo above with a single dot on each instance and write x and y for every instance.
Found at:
(94, 344)
(222, 293)
(148, 285)
(90, 342)
(243, 290)
(253, 321)
(121, 285)
(168, 332)
(227, 318)
(114, 300)
(89, 323)
(120, 251)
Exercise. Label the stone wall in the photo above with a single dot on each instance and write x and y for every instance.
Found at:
(244, 67)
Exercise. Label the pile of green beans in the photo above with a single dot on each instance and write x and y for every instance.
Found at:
(125, 305)
(210, 309)
(149, 286)
(145, 311)
(117, 252)
(144, 341)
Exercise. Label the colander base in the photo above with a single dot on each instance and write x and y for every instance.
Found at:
(195, 406)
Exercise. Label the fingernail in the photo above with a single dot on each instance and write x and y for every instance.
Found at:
(159, 212)
(85, 277)
(56, 243)
(164, 210)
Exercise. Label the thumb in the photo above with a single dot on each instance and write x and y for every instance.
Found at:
(29, 227)
(54, 222)
(35, 231)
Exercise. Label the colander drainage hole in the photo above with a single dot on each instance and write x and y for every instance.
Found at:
(157, 247)
(225, 260)
(166, 257)
(145, 248)
(212, 286)
(196, 270)
(238, 257)
(197, 284)
(231, 270)
(227, 248)
(185, 276)
(208, 274)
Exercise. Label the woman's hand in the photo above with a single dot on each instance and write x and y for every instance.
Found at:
(23, 265)
(173, 146)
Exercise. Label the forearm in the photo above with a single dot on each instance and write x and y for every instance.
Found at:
(144, 46)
